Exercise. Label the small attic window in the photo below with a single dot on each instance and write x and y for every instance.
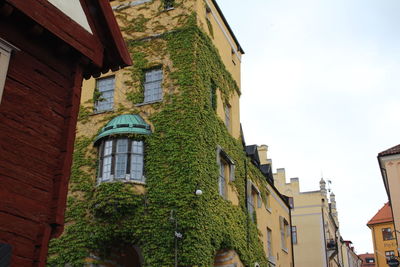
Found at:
(5, 54)
(168, 4)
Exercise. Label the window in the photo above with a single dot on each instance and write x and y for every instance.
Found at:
(294, 234)
(168, 4)
(253, 194)
(387, 234)
(389, 254)
(259, 201)
(226, 171)
(291, 202)
(152, 85)
(104, 101)
(121, 159)
(268, 201)
(284, 228)
(369, 260)
(222, 180)
(269, 243)
(5, 53)
(228, 117)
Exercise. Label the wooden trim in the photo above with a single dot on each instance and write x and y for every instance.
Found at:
(58, 23)
(60, 188)
(115, 31)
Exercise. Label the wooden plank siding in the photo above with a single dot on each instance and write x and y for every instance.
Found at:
(38, 114)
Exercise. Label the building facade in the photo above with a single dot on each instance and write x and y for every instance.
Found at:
(368, 260)
(383, 235)
(314, 216)
(389, 164)
(46, 50)
(161, 173)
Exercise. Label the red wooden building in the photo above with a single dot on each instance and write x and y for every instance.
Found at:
(46, 48)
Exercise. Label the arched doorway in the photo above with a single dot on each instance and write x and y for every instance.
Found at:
(126, 257)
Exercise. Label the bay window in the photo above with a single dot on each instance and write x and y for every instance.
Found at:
(121, 159)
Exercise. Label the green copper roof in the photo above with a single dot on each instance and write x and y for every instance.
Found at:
(125, 124)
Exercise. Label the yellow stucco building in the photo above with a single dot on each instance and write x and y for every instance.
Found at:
(383, 235)
(162, 176)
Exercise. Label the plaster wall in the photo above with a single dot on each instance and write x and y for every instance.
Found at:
(380, 245)
(392, 166)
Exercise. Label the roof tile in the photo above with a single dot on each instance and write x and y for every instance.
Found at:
(382, 216)
(391, 151)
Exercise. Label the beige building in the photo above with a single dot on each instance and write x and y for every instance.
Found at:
(349, 256)
(383, 235)
(389, 164)
(272, 211)
(314, 218)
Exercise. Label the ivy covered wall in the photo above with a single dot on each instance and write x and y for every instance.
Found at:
(180, 158)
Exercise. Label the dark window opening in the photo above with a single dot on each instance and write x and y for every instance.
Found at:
(168, 4)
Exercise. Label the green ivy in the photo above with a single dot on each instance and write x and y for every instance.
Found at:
(180, 158)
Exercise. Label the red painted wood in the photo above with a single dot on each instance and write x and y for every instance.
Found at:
(20, 226)
(23, 207)
(14, 186)
(52, 19)
(61, 183)
(21, 246)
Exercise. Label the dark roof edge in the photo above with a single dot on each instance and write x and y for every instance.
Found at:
(227, 26)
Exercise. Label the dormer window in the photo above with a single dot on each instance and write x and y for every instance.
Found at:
(121, 158)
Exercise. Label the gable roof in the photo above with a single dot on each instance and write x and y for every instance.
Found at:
(382, 216)
(103, 49)
(391, 151)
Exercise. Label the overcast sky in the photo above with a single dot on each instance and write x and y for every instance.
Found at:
(321, 88)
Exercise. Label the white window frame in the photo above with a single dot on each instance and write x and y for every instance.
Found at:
(153, 94)
(130, 155)
(5, 55)
(108, 101)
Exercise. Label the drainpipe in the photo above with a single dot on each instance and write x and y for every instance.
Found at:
(291, 239)
(323, 228)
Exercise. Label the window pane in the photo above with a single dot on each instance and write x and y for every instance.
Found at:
(120, 165)
(153, 85)
(106, 88)
(122, 146)
(137, 167)
(106, 168)
(137, 161)
(108, 148)
(221, 179)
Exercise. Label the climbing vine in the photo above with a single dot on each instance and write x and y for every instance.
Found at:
(180, 158)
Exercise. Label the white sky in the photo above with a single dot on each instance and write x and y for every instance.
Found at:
(320, 84)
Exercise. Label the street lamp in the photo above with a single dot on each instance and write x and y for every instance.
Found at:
(179, 235)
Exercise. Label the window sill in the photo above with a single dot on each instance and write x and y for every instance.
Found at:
(101, 112)
(285, 250)
(269, 210)
(148, 103)
(122, 181)
(168, 9)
